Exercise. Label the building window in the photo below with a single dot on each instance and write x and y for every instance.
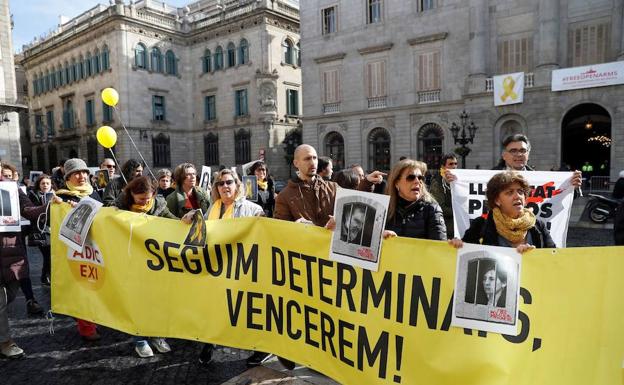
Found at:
(80, 68)
(218, 58)
(96, 62)
(53, 79)
(334, 148)
(425, 5)
(161, 150)
(38, 125)
(329, 20)
(210, 108)
(50, 123)
(330, 84)
(74, 67)
(107, 113)
(243, 52)
(211, 149)
(373, 11)
(430, 139)
(231, 55)
(379, 149)
(156, 60)
(376, 79)
(35, 85)
(240, 103)
(428, 71)
(298, 54)
(68, 114)
(52, 156)
(158, 108)
(206, 62)
(92, 151)
(171, 63)
(515, 55)
(292, 102)
(140, 56)
(68, 77)
(40, 158)
(288, 52)
(105, 59)
(88, 66)
(90, 112)
(589, 44)
(242, 147)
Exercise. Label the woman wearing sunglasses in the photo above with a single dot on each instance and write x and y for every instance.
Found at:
(412, 211)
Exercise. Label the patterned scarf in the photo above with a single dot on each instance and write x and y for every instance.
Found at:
(143, 209)
(514, 230)
(215, 211)
(75, 190)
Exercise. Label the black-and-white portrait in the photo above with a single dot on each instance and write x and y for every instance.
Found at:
(77, 222)
(204, 180)
(360, 219)
(487, 288)
(9, 207)
(78, 218)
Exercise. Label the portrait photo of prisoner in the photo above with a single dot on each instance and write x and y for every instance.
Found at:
(6, 209)
(78, 219)
(357, 222)
(486, 283)
(205, 180)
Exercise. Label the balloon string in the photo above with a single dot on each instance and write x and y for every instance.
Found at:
(133, 144)
(121, 173)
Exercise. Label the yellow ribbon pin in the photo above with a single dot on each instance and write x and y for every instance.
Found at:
(508, 86)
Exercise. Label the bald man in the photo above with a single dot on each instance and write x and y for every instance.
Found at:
(307, 197)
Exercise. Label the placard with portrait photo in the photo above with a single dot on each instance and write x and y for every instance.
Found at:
(360, 221)
(76, 224)
(250, 185)
(9, 207)
(33, 175)
(487, 288)
(205, 179)
(102, 178)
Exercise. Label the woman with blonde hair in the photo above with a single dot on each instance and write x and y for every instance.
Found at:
(412, 211)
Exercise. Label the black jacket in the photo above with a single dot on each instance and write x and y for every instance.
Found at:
(483, 231)
(418, 219)
(269, 205)
(502, 166)
(113, 190)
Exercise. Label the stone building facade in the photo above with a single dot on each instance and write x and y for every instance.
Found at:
(388, 78)
(208, 83)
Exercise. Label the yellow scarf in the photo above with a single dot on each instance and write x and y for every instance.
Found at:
(263, 184)
(75, 190)
(143, 209)
(215, 211)
(514, 230)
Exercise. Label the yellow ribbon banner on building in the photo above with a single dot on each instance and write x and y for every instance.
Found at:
(268, 285)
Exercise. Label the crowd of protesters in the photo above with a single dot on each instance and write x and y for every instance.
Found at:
(415, 210)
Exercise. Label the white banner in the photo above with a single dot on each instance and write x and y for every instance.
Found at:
(508, 89)
(550, 199)
(596, 75)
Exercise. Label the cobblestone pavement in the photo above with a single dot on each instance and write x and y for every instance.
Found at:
(63, 358)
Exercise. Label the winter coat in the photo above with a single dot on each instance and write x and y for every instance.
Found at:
(420, 219)
(245, 208)
(441, 191)
(112, 191)
(13, 262)
(177, 199)
(159, 209)
(269, 205)
(312, 201)
(483, 231)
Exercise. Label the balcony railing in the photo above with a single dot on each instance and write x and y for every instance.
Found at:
(377, 102)
(331, 108)
(529, 81)
(426, 97)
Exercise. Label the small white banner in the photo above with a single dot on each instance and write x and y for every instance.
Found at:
(508, 89)
(550, 199)
(596, 75)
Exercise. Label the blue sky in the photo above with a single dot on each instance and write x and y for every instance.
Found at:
(37, 17)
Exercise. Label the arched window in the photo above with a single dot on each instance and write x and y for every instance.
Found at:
(140, 56)
(510, 127)
(243, 52)
(298, 55)
(67, 71)
(288, 52)
(47, 81)
(59, 77)
(88, 66)
(80, 68)
(96, 62)
(218, 58)
(74, 68)
(231, 55)
(242, 146)
(171, 63)
(379, 149)
(105, 59)
(156, 59)
(334, 148)
(161, 150)
(430, 138)
(211, 149)
(207, 62)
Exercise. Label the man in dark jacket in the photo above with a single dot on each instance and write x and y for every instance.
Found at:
(515, 156)
(131, 169)
(440, 189)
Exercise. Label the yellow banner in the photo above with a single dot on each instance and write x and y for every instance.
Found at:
(267, 285)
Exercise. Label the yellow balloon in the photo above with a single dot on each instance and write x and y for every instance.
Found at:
(106, 136)
(110, 96)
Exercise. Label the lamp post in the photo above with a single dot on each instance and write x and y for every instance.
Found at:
(290, 143)
(462, 138)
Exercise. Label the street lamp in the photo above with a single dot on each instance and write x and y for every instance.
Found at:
(462, 138)
(290, 143)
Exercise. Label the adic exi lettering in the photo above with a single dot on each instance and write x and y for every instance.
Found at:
(543, 210)
(229, 260)
(89, 254)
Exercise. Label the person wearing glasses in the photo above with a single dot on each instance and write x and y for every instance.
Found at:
(131, 169)
(266, 187)
(412, 211)
(109, 165)
(187, 196)
(515, 155)
(440, 189)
